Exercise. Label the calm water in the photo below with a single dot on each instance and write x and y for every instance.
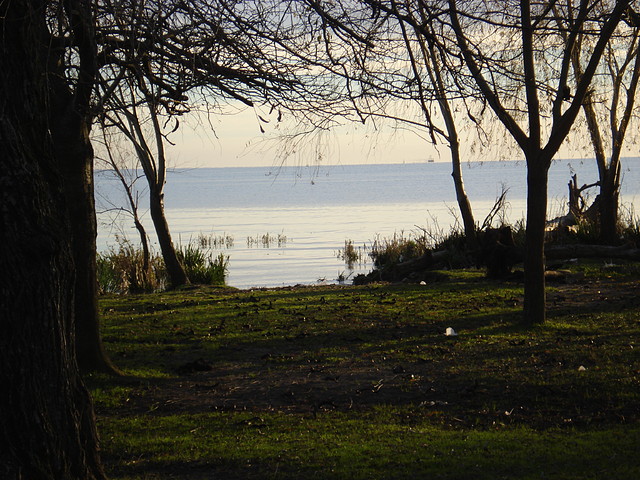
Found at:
(316, 209)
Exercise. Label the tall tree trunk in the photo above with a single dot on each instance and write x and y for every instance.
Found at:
(154, 167)
(47, 428)
(177, 275)
(608, 204)
(433, 65)
(75, 156)
(534, 264)
(74, 153)
(70, 127)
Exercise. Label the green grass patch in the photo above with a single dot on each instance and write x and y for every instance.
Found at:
(380, 445)
(361, 382)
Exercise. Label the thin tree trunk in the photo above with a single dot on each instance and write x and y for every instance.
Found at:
(128, 188)
(534, 263)
(461, 195)
(146, 255)
(177, 275)
(154, 168)
(433, 65)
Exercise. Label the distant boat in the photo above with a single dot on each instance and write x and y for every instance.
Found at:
(431, 160)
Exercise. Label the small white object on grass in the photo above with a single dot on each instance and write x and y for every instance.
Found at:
(450, 332)
(582, 368)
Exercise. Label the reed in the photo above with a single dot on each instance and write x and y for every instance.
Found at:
(352, 255)
(213, 241)
(122, 270)
(267, 240)
(398, 248)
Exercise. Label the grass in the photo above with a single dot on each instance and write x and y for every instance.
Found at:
(201, 265)
(361, 382)
(122, 270)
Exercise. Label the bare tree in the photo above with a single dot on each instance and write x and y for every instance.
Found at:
(390, 65)
(115, 162)
(151, 156)
(184, 51)
(512, 56)
(608, 110)
(437, 76)
(521, 64)
(166, 56)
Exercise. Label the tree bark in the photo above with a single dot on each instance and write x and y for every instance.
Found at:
(608, 204)
(74, 154)
(70, 129)
(461, 196)
(146, 254)
(177, 275)
(534, 262)
(47, 428)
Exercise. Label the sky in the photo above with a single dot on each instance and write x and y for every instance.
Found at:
(236, 140)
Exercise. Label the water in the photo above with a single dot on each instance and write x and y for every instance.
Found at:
(317, 208)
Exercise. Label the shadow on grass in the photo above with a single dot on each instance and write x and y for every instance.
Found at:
(386, 449)
(338, 383)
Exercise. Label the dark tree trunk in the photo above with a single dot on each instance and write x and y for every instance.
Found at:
(177, 276)
(74, 154)
(47, 426)
(534, 264)
(608, 205)
(70, 128)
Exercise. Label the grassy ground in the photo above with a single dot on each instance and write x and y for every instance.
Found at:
(362, 383)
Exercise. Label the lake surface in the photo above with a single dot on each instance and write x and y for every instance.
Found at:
(313, 210)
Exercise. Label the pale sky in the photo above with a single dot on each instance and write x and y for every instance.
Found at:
(238, 141)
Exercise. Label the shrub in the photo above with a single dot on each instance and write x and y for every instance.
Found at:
(397, 249)
(201, 266)
(122, 270)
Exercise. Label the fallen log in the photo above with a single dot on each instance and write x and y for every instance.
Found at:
(509, 254)
(563, 252)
